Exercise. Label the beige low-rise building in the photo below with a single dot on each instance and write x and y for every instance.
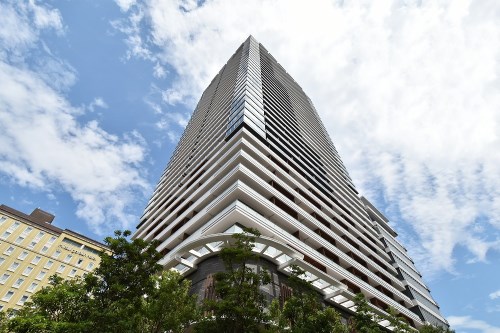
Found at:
(32, 250)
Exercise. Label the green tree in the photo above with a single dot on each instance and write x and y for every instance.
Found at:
(364, 320)
(63, 306)
(304, 311)
(4, 322)
(120, 283)
(125, 294)
(169, 307)
(400, 325)
(434, 329)
(240, 306)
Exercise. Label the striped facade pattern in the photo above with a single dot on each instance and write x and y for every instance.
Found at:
(256, 154)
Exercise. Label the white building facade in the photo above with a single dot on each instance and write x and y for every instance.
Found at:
(256, 154)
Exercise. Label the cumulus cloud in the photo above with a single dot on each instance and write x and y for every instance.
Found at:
(460, 323)
(125, 4)
(408, 91)
(495, 295)
(159, 71)
(98, 102)
(21, 26)
(42, 144)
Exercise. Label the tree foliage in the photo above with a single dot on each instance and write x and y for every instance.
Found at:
(304, 311)
(129, 293)
(364, 320)
(435, 329)
(398, 324)
(240, 306)
(169, 307)
(120, 283)
(63, 306)
(126, 294)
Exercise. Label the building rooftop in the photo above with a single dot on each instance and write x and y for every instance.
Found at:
(44, 220)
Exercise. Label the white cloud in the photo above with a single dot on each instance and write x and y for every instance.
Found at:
(42, 145)
(21, 25)
(495, 295)
(125, 4)
(159, 71)
(131, 27)
(408, 90)
(99, 103)
(460, 323)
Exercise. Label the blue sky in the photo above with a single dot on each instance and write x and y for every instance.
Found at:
(95, 94)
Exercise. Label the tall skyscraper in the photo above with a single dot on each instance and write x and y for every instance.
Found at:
(256, 154)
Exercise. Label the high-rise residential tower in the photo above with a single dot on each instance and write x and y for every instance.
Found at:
(256, 154)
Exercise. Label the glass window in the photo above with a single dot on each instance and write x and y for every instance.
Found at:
(26, 231)
(2, 219)
(9, 250)
(48, 264)
(23, 255)
(56, 254)
(39, 236)
(19, 239)
(14, 226)
(8, 296)
(13, 266)
(22, 300)
(68, 258)
(18, 283)
(36, 239)
(36, 260)
(45, 249)
(32, 287)
(28, 270)
(4, 278)
(6, 235)
(72, 273)
(40, 275)
(52, 240)
(90, 266)
(61, 269)
(80, 260)
(2, 259)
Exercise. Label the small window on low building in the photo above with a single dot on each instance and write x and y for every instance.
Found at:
(48, 264)
(9, 250)
(23, 255)
(41, 275)
(23, 299)
(18, 283)
(32, 287)
(36, 260)
(13, 266)
(28, 270)
(8, 296)
(4, 278)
